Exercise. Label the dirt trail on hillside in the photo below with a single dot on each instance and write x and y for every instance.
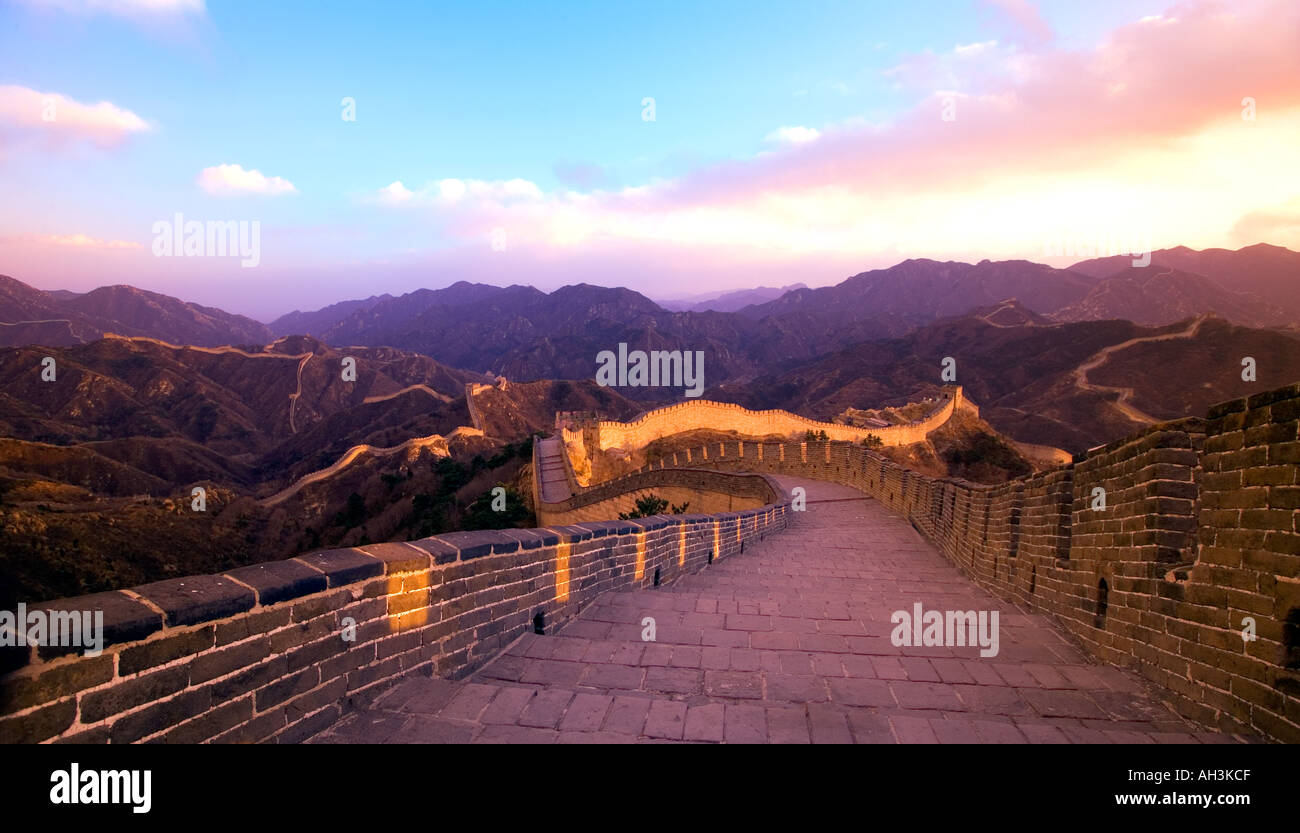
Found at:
(1124, 402)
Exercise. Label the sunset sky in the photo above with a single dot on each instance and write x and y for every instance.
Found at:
(508, 142)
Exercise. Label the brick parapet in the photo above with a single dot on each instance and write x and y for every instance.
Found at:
(260, 653)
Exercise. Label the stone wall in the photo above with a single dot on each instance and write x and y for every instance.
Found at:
(704, 490)
(262, 653)
(696, 414)
(1198, 538)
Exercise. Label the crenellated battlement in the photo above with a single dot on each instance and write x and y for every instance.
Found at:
(696, 414)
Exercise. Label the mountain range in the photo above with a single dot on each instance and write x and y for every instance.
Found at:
(729, 301)
(524, 333)
(1072, 385)
(59, 318)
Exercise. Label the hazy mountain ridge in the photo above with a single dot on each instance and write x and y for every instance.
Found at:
(729, 301)
(32, 316)
(313, 323)
(525, 333)
(1263, 278)
(1156, 295)
(919, 291)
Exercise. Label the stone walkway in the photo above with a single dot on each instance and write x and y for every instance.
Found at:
(554, 484)
(786, 643)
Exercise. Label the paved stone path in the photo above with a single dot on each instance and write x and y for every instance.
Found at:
(785, 643)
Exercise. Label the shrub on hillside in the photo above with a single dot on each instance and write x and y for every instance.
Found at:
(651, 505)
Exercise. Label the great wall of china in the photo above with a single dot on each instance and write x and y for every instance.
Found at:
(586, 438)
(1196, 542)
(697, 414)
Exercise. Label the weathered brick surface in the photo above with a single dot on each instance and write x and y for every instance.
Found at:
(274, 651)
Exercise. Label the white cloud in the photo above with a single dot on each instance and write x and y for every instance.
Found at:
(453, 192)
(793, 135)
(233, 179)
(966, 50)
(395, 193)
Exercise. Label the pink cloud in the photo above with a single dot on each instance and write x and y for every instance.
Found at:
(1141, 133)
(1149, 82)
(57, 119)
(86, 241)
(1274, 223)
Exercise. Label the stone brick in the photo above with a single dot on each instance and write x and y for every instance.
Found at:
(286, 687)
(342, 567)
(278, 581)
(125, 619)
(128, 694)
(160, 651)
(189, 601)
(40, 724)
(399, 557)
(46, 684)
(156, 717)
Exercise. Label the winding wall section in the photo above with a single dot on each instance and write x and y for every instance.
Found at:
(696, 414)
(1198, 538)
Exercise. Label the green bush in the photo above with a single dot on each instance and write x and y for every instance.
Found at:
(651, 505)
(480, 515)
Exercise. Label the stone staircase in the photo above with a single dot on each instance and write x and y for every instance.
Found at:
(552, 482)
